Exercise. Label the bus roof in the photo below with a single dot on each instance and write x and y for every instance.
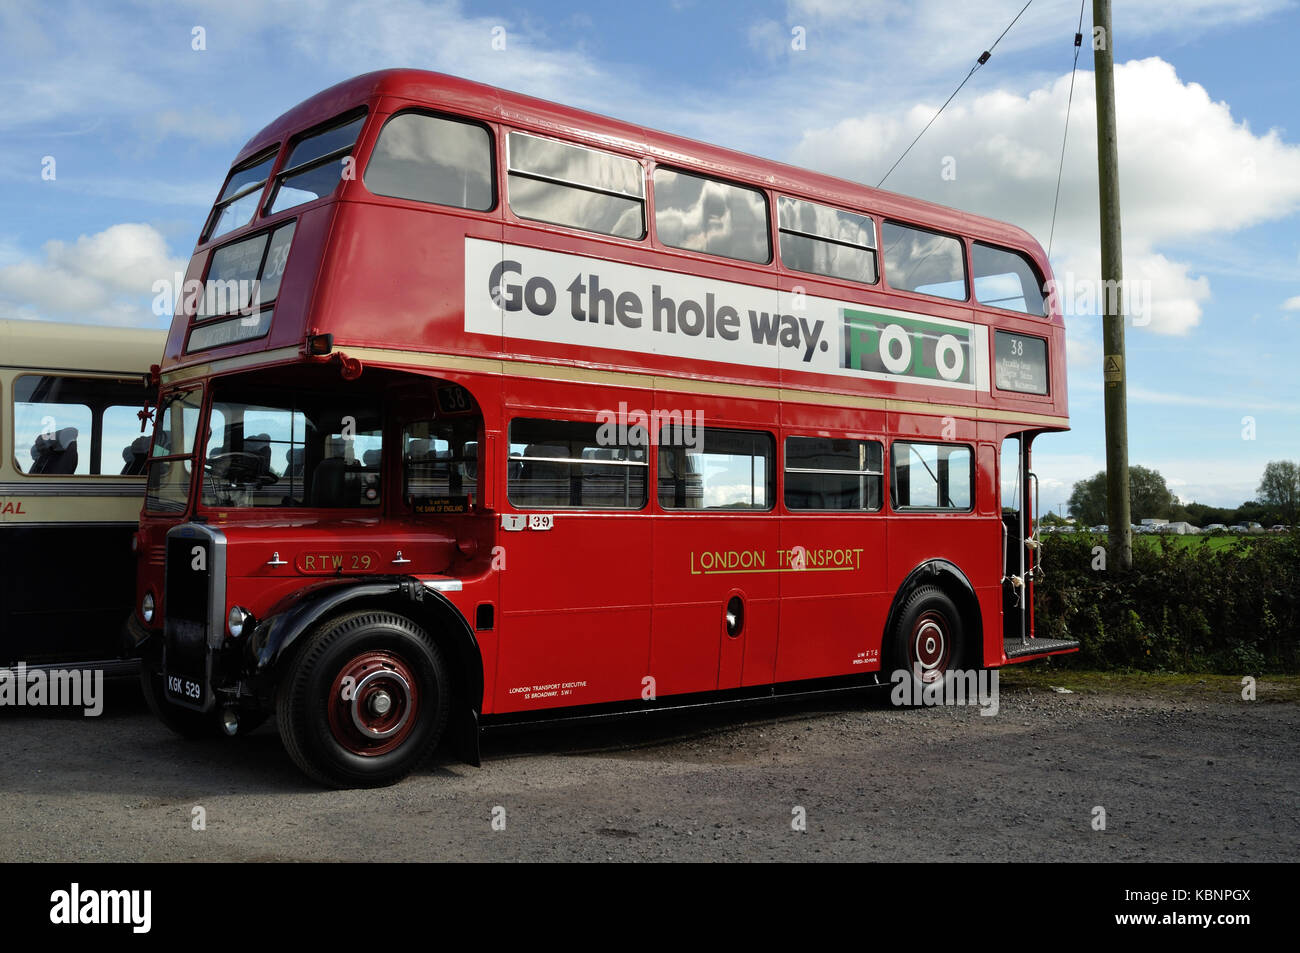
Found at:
(465, 97)
(49, 345)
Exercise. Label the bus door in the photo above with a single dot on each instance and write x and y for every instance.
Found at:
(576, 545)
(717, 544)
(1019, 488)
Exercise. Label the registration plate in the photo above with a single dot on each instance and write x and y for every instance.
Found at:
(184, 690)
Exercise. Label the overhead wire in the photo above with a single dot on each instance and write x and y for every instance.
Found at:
(983, 58)
(1078, 45)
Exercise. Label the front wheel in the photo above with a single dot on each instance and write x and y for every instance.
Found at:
(927, 640)
(364, 701)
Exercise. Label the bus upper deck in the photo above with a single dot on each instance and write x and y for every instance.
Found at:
(512, 229)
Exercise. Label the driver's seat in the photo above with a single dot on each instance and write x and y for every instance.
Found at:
(259, 445)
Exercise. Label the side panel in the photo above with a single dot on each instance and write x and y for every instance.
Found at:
(574, 623)
(705, 558)
(832, 608)
(65, 591)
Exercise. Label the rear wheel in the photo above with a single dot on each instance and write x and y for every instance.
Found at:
(364, 701)
(927, 640)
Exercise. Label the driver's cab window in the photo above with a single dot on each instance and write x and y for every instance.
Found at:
(301, 451)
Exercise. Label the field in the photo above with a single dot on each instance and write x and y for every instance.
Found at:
(1214, 541)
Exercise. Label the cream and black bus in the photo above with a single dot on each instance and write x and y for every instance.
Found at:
(73, 447)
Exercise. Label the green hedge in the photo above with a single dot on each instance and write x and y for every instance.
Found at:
(1186, 605)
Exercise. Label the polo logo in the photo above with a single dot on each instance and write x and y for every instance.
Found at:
(906, 347)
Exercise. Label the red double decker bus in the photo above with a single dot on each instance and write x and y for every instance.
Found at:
(507, 410)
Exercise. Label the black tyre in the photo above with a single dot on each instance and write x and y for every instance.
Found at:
(183, 721)
(928, 637)
(364, 701)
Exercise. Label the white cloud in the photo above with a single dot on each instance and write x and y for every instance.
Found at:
(105, 278)
(197, 123)
(1291, 304)
(1188, 169)
(1216, 401)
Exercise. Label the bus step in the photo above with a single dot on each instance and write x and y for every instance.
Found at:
(1015, 649)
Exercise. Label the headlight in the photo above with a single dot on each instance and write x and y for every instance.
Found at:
(235, 621)
(146, 607)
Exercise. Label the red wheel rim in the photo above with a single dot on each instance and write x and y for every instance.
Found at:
(373, 704)
(929, 648)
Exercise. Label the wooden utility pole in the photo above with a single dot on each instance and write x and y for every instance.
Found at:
(1112, 276)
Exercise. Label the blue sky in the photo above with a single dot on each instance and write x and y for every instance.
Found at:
(141, 127)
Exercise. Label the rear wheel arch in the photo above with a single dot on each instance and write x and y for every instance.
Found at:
(956, 585)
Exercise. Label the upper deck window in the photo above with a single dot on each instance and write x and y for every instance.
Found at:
(822, 240)
(315, 165)
(711, 216)
(238, 200)
(432, 159)
(927, 262)
(1006, 279)
(571, 185)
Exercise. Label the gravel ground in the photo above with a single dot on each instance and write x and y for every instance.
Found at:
(1183, 775)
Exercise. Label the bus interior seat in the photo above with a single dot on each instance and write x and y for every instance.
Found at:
(55, 455)
(293, 460)
(259, 445)
(335, 484)
(470, 464)
(601, 485)
(371, 459)
(548, 483)
(136, 456)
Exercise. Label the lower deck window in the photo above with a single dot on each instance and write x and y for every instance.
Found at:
(824, 473)
(725, 470)
(87, 426)
(932, 476)
(569, 463)
(440, 463)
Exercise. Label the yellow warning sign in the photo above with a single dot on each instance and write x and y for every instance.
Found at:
(1114, 368)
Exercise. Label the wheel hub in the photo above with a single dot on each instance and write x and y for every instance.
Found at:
(373, 703)
(929, 647)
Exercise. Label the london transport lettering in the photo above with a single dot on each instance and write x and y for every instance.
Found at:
(797, 559)
(559, 298)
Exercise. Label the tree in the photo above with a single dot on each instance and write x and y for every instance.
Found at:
(1088, 500)
(1280, 488)
(1149, 497)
